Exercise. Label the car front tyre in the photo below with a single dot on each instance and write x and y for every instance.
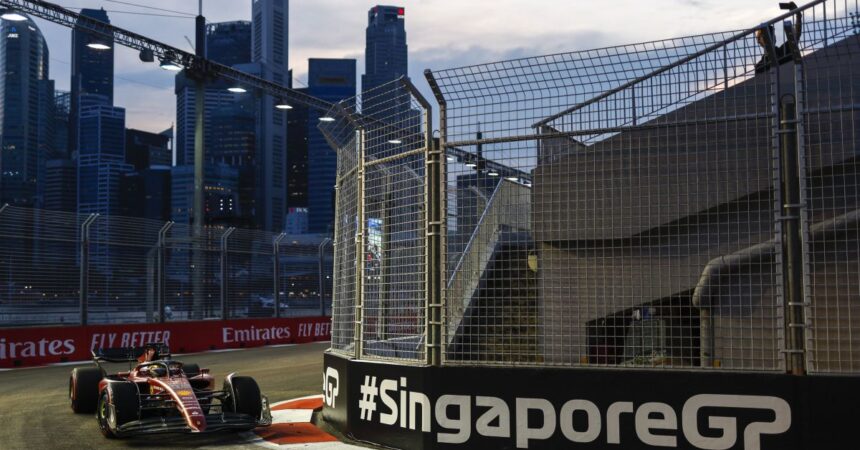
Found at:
(106, 415)
(245, 397)
(117, 408)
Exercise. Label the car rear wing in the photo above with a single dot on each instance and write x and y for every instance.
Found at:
(130, 354)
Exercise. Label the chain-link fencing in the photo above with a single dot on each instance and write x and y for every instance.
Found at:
(381, 137)
(684, 203)
(639, 206)
(59, 268)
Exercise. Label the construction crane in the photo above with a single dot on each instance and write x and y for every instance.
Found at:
(196, 67)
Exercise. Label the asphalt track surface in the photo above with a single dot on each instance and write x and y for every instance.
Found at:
(35, 413)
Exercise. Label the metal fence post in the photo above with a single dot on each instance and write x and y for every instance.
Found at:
(85, 267)
(322, 246)
(436, 230)
(793, 244)
(790, 208)
(276, 270)
(161, 283)
(225, 310)
(358, 337)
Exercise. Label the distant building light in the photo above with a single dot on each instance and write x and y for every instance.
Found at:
(471, 164)
(395, 141)
(326, 119)
(512, 178)
(493, 173)
(237, 90)
(283, 105)
(450, 158)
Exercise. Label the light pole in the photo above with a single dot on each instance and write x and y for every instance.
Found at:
(199, 191)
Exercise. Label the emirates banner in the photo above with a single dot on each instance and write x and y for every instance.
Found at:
(45, 345)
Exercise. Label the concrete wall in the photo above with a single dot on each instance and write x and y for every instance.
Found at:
(634, 219)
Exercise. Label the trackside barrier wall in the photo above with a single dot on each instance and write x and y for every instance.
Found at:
(32, 346)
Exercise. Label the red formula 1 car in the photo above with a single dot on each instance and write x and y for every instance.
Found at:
(161, 395)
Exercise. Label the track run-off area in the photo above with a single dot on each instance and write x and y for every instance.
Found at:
(35, 413)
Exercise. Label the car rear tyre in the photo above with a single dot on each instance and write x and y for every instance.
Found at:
(244, 397)
(118, 409)
(84, 389)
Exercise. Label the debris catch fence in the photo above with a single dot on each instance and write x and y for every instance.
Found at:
(62, 268)
(684, 203)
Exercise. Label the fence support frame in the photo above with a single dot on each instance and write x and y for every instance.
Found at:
(276, 271)
(790, 208)
(84, 283)
(358, 337)
(437, 165)
(321, 255)
(225, 307)
(161, 275)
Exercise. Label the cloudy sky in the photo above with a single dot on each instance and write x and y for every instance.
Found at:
(440, 33)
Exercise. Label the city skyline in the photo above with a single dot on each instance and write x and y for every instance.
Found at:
(436, 36)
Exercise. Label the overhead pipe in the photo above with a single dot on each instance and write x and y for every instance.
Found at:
(750, 255)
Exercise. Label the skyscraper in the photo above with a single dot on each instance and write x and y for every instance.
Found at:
(92, 69)
(229, 119)
(101, 161)
(221, 186)
(26, 112)
(297, 156)
(61, 178)
(144, 149)
(233, 143)
(146, 193)
(229, 43)
(331, 80)
(270, 52)
(62, 110)
(216, 96)
(61, 172)
(385, 51)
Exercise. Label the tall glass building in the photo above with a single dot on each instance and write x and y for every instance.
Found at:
(101, 158)
(26, 111)
(92, 69)
(229, 43)
(385, 48)
(270, 53)
(332, 80)
(229, 119)
(297, 157)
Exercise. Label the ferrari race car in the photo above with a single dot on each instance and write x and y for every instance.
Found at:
(160, 395)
